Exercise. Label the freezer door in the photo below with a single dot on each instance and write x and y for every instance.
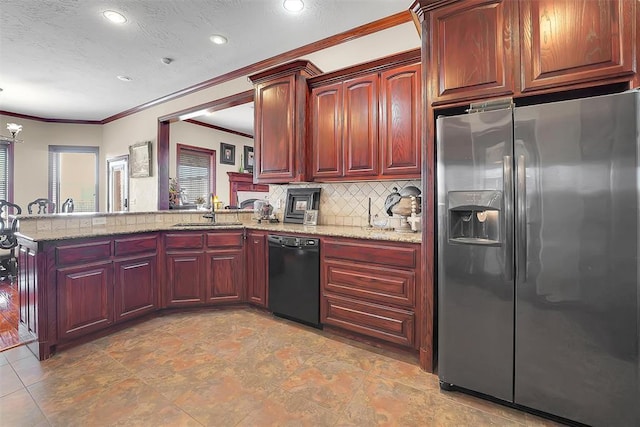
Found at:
(475, 252)
(576, 345)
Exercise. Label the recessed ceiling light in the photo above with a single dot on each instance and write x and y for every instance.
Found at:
(115, 17)
(293, 6)
(218, 39)
(125, 78)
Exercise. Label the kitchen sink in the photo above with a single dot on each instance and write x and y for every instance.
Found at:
(206, 224)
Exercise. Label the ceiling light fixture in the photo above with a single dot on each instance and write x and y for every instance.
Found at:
(293, 6)
(125, 78)
(115, 17)
(14, 129)
(218, 39)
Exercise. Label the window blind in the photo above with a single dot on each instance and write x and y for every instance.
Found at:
(4, 172)
(194, 174)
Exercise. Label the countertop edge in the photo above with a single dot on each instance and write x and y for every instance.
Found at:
(280, 228)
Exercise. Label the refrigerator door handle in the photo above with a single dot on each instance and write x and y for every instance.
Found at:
(521, 219)
(507, 176)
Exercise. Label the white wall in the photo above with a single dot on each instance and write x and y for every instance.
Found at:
(200, 136)
(31, 158)
(114, 138)
(143, 126)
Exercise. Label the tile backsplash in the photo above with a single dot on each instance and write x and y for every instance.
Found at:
(345, 203)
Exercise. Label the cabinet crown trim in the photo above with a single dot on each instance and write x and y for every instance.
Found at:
(299, 66)
(382, 64)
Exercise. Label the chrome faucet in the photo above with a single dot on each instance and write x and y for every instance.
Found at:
(212, 214)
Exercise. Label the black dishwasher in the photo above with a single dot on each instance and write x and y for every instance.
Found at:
(294, 278)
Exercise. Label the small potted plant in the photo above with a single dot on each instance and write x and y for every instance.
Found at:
(200, 201)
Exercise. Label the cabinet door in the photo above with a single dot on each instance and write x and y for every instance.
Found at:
(400, 101)
(326, 129)
(135, 287)
(224, 275)
(275, 150)
(257, 269)
(472, 50)
(85, 299)
(185, 278)
(574, 41)
(360, 129)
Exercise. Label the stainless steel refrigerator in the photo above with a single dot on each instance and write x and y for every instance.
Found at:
(538, 266)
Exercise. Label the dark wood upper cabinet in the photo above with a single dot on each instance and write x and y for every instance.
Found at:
(573, 41)
(483, 49)
(472, 50)
(365, 120)
(400, 102)
(360, 126)
(326, 131)
(281, 95)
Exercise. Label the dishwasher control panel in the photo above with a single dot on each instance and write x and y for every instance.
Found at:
(293, 241)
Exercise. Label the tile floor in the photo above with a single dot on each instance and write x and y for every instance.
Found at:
(238, 367)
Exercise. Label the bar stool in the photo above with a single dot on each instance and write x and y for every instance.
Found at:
(45, 206)
(8, 241)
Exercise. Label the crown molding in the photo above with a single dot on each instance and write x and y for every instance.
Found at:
(48, 120)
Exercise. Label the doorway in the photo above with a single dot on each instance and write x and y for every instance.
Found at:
(73, 173)
(118, 184)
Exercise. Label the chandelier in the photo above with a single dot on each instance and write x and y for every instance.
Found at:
(14, 129)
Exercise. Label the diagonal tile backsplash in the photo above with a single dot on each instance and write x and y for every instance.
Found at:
(344, 203)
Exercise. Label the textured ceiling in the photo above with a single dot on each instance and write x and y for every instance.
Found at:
(59, 59)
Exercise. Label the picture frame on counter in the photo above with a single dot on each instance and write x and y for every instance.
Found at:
(227, 154)
(310, 217)
(299, 201)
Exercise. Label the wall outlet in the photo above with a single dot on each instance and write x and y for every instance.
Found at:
(99, 221)
(279, 204)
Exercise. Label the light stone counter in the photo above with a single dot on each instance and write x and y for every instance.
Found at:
(42, 228)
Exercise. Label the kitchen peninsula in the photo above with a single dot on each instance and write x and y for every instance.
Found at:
(83, 274)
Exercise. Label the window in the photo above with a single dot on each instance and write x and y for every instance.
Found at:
(4, 172)
(196, 172)
(73, 173)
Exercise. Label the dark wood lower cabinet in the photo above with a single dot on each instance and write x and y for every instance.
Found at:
(372, 288)
(375, 320)
(85, 299)
(135, 287)
(368, 287)
(224, 276)
(185, 278)
(256, 268)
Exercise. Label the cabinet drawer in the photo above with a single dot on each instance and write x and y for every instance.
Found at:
(375, 253)
(371, 282)
(224, 239)
(83, 252)
(374, 320)
(183, 240)
(135, 245)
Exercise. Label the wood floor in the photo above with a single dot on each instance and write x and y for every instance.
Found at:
(10, 336)
(237, 367)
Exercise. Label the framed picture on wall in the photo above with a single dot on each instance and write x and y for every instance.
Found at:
(140, 160)
(248, 158)
(227, 154)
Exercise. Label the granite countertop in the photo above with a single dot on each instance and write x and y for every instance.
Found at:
(316, 230)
